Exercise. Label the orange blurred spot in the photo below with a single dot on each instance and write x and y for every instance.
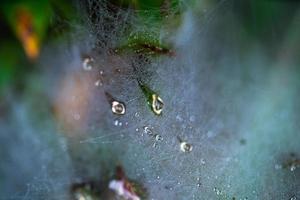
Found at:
(26, 33)
(71, 103)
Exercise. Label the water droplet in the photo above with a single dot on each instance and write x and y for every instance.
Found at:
(198, 182)
(202, 161)
(101, 72)
(147, 130)
(87, 63)
(277, 166)
(118, 108)
(98, 83)
(157, 104)
(293, 198)
(136, 114)
(293, 167)
(217, 191)
(137, 129)
(158, 137)
(179, 118)
(192, 118)
(116, 123)
(186, 147)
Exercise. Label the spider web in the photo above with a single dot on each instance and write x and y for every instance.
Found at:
(211, 102)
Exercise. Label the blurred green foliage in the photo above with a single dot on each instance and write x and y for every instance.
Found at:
(260, 18)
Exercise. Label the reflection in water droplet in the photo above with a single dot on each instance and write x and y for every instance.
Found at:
(186, 147)
(118, 108)
(87, 63)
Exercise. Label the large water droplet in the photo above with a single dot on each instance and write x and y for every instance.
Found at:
(118, 108)
(157, 104)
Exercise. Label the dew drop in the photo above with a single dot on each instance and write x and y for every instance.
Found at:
(98, 83)
(186, 147)
(147, 130)
(154, 145)
(87, 63)
(192, 118)
(198, 182)
(293, 167)
(293, 198)
(118, 108)
(179, 118)
(158, 137)
(277, 166)
(217, 191)
(157, 104)
(116, 123)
